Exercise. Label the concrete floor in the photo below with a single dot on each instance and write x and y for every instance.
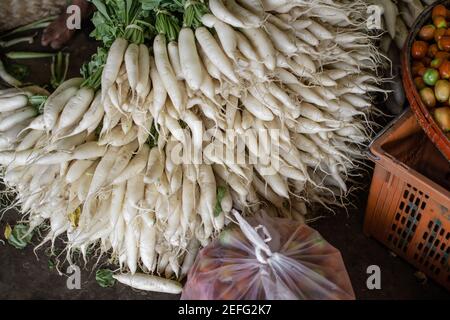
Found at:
(24, 275)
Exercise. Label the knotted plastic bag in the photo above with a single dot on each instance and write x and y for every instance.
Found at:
(265, 258)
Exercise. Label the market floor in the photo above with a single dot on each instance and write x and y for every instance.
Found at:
(24, 275)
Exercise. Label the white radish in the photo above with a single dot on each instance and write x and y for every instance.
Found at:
(188, 199)
(190, 63)
(30, 140)
(276, 182)
(246, 48)
(77, 169)
(76, 107)
(189, 258)
(263, 46)
(55, 104)
(174, 58)
(131, 245)
(17, 117)
(16, 158)
(144, 71)
(37, 123)
(149, 283)
(91, 118)
(166, 72)
(281, 39)
(102, 172)
(147, 243)
(222, 12)
(13, 103)
(250, 19)
(136, 166)
(117, 138)
(113, 63)
(256, 108)
(215, 53)
(207, 183)
(132, 65)
(117, 197)
(9, 138)
(88, 150)
(227, 35)
(155, 166)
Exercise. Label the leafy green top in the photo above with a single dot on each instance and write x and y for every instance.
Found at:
(121, 18)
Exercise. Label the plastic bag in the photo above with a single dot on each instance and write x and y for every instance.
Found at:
(268, 258)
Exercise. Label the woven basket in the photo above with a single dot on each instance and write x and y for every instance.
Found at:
(14, 13)
(423, 114)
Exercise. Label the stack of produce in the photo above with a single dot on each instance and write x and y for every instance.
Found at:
(100, 163)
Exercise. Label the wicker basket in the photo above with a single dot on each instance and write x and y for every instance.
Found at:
(423, 114)
(409, 203)
(14, 13)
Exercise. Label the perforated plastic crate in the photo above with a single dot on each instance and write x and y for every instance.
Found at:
(409, 203)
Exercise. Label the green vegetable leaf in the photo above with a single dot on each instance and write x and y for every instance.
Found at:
(8, 231)
(120, 18)
(59, 68)
(19, 237)
(193, 13)
(221, 191)
(167, 24)
(154, 136)
(101, 7)
(150, 4)
(105, 278)
(18, 71)
(92, 70)
(38, 102)
(171, 5)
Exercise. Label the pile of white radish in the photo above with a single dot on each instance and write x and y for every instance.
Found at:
(99, 167)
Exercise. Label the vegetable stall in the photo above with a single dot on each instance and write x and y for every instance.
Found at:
(190, 112)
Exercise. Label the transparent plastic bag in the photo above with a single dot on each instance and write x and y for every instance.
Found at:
(267, 258)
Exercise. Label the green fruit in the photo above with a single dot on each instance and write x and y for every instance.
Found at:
(431, 76)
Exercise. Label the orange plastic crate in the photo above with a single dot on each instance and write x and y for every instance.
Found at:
(409, 202)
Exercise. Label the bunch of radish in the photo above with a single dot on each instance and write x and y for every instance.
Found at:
(100, 164)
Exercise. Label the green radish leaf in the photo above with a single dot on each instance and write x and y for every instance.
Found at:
(101, 8)
(154, 136)
(105, 278)
(59, 68)
(38, 102)
(150, 4)
(221, 191)
(18, 238)
(193, 13)
(173, 5)
(8, 231)
(92, 70)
